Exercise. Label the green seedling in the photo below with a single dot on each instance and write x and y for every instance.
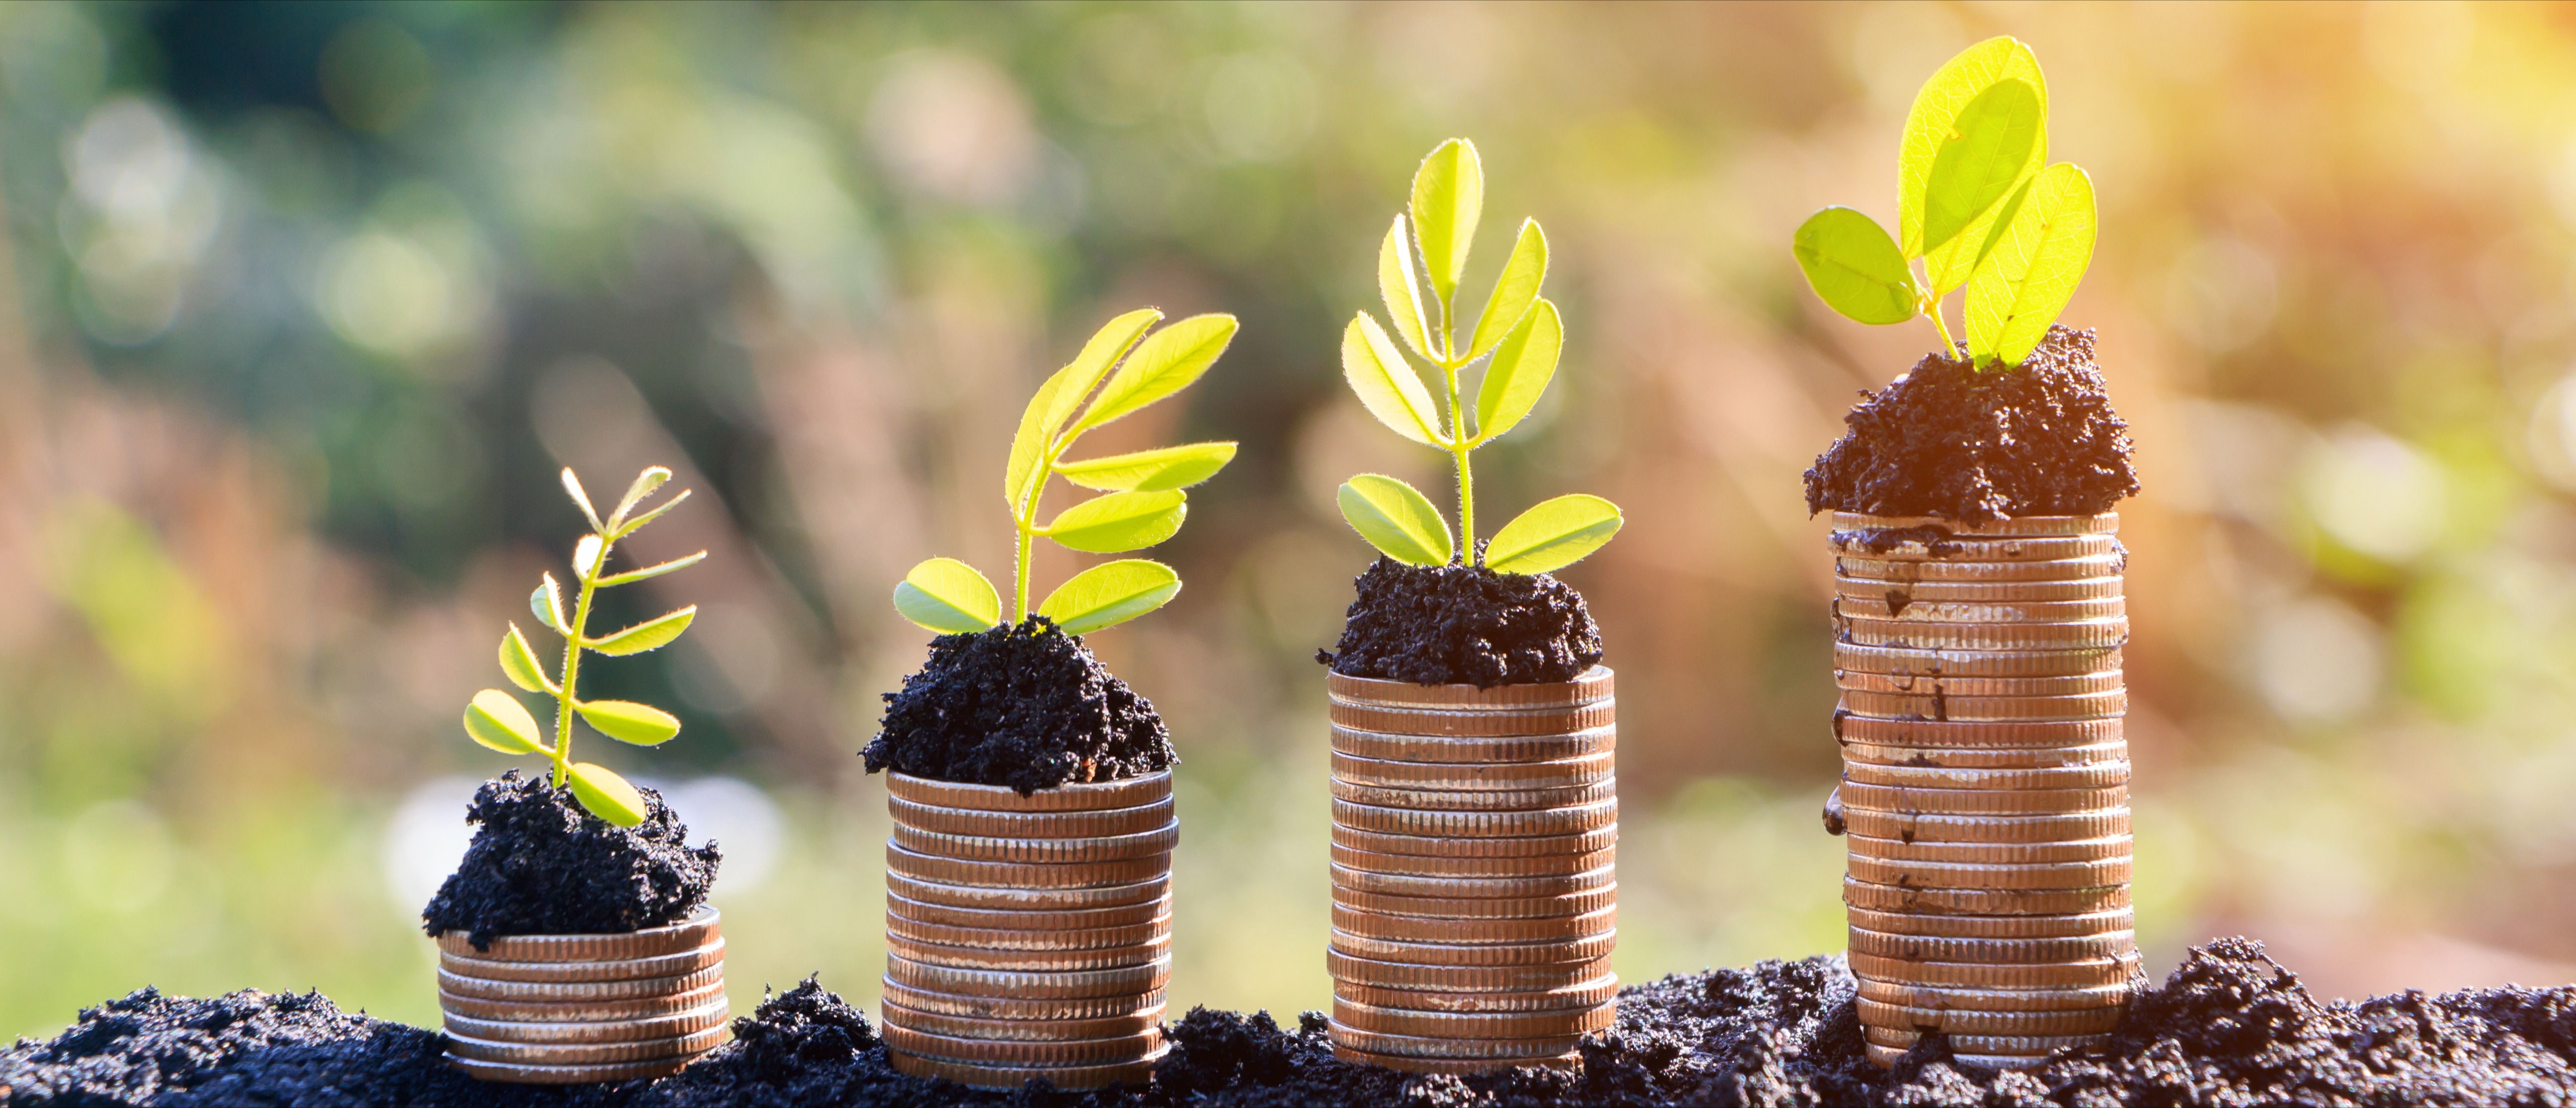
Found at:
(1142, 502)
(1517, 338)
(496, 719)
(1977, 205)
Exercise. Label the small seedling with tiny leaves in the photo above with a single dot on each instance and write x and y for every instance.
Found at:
(496, 719)
(1517, 338)
(1977, 205)
(1142, 502)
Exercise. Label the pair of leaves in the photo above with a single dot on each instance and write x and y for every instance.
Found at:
(949, 597)
(1404, 525)
(496, 719)
(519, 660)
(1148, 369)
(1524, 361)
(617, 526)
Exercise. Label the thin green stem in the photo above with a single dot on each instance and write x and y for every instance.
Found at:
(1459, 444)
(1020, 565)
(564, 698)
(1949, 346)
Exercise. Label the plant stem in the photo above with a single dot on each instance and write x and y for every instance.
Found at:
(1949, 346)
(1459, 444)
(1020, 563)
(564, 698)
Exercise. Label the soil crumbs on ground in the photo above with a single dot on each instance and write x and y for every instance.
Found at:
(1026, 706)
(1945, 440)
(2230, 1029)
(541, 865)
(1464, 625)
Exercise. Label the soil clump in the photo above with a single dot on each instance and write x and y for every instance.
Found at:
(1464, 625)
(1026, 706)
(542, 865)
(1948, 441)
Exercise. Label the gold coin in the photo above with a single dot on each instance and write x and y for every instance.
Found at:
(2086, 684)
(535, 1033)
(1562, 773)
(1589, 994)
(1456, 846)
(1026, 875)
(1858, 796)
(1992, 927)
(1074, 797)
(1979, 875)
(1350, 969)
(998, 938)
(1024, 1030)
(1956, 1021)
(1886, 1056)
(1427, 865)
(1439, 748)
(1472, 1025)
(1479, 825)
(1955, 548)
(577, 992)
(1394, 885)
(585, 1054)
(1468, 932)
(1006, 920)
(1422, 1046)
(1923, 827)
(644, 1008)
(2011, 757)
(1993, 1000)
(701, 928)
(1567, 1061)
(1593, 685)
(955, 956)
(621, 969)
(2079, 850)
(1004, 898)
(1474, 723)
(2020, 1045)
(1909, 571)
(989, 1076)
(512, 1073)
(2009, 527)
(1031, 985)
(1041, 1010)
(1985, 902)
(1896, 593)
(1900, 661)
(1936, 733)
(1052, 852)
(1465, 907)
(2095, 973)
(2098, 775)
(1904, 606)
(2113, 945)
(1474, 800)
(1100, 823)
(1117, 1048)
(1997, 709)
(1580, 949)
(1926, 635)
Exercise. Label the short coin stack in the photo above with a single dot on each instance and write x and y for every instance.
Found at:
(1985, 786)
(568, 1009)
(1474, 890)
(1028, 936)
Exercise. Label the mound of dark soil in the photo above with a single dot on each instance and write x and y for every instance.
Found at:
(1026, 706)
(1464, 625)
(2037, 439)
(541, 865)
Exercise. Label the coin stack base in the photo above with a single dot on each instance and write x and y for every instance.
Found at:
(573, 1009)
(1985, 782)
(1028, 936)
(1474, 885)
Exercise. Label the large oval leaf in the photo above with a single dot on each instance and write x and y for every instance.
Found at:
(629, 722)
(947, 596)
(652, 634)
(497, 720)
(1520, 371)
(1514, 292)
(519, 663)
(1386, 383)
(1448, 198)
(1936, 112)
(607, 795)
(1552, 535)
(1120, 521)
(1397, 519)
(1986, 153)
(1398, 285)
(1854, 266)
(2033, 267)
(1060, 396)
(1165, 363)
(1110, 594)
(1172, 467)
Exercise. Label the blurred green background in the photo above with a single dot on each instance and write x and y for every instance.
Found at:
(307, 302)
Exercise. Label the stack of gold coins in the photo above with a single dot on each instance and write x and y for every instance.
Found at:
(1985, 788)
(566, 1009)
(1028, 936)
(1474, 890)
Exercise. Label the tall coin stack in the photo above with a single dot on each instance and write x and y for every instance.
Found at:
(570, 1009)
(1474, 890)
(1985, 788)
(1028, 936)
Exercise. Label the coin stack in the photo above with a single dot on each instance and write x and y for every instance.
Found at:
(1985, 788)
(1028, 936)
(1474, 890)
(567, 1009)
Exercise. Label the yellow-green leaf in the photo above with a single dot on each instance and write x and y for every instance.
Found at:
(2033, 267)
(497, 720)
(637, 524)
(949, 597)
(1172, 467)
(1448, 198)
(607, 795)
(547, 603)
(519, 663)
(1165, 363)
(645, 482)
(629, 722)
(572, 487)
(1936, 109)
(652, 634)
(1120, 521)
(1985, 154)
(585, 556)
(1062, 394)
(1520, 371)
(652, 571)
(1110, 594)
(1553, 534)
(1387, 385)
(1401, 289)
(1514, 292)
(1854, 266)
(1397, 519)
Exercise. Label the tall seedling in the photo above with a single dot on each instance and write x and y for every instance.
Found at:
(1518, 338)
(1977, 205)
(1143, 502)
(496, 719)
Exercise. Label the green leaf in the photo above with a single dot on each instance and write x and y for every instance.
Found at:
(1397, 519)
(1062, 394)
(585, 556)
(649, 572)
(497, 720)
(1110, 594)
(1986, 153)
(1401, 289)
(1448, 198)
(1165, 363)
(607, 795)
(652, 634)
(2033, 268)
(572, 485)
(1936, 112)
(650, 479)
(629, 722)
(637, 524)
(1520, 371)
(1854, 266)
(1120, 521)
(1387, 385)
(1514, 292)
(547, 603)
(1553, 534)
(1172, 467)
(519, 663)
(947, 596)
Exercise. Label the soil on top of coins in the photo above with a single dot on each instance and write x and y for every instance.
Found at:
(1026, 706)
(1464, 625)
(542, 865)
(2230, 1029)
(1953, 442)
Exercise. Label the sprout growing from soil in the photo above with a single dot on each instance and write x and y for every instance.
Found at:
(1142, 502)
(1977, 204)
(496, 719)
(1517, 338)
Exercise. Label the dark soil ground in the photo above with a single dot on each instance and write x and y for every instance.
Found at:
(2230, 1029)
(1026, 706)
(1948, 441)
(541, 865)
(1464, 625)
